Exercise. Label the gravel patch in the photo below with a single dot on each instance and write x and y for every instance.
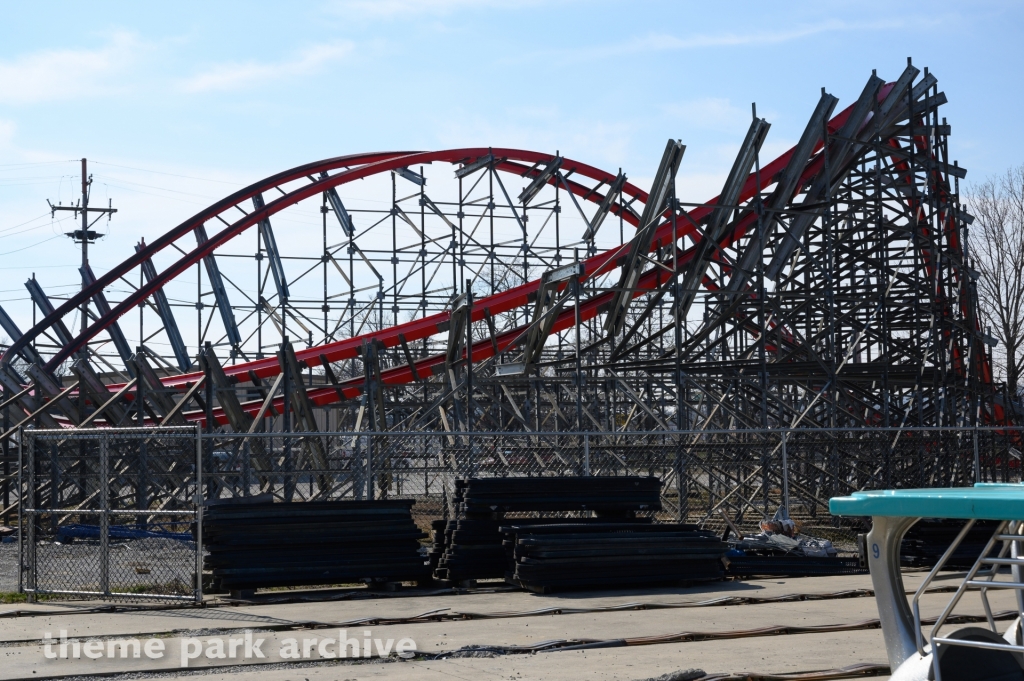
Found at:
(8, 567)
(155, 566)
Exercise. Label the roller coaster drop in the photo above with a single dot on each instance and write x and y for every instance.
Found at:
(829, 288)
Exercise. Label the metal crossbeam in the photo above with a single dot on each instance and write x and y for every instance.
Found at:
(717, 222)
(273, 254)
(27, 352)
(35, 291)
(639, 246)
(224, 390)
(550, 300)
(166, 314)
(100, 301)
(220, 294)
(113, 411)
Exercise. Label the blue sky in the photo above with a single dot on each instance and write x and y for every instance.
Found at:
(177, 104)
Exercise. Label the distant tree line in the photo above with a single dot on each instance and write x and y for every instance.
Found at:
(997, 245)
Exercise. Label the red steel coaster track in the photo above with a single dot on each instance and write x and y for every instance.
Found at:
(833, 282)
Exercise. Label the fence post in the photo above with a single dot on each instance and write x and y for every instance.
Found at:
(785, 471)
(104, 518)
(370, 445)
(5, 451)
(198, 499)
(977, 457)
(586, 454)
(682, 483)
(142, 484)
(426, 464)
(54, 486)
(22, 538)
(246, 468)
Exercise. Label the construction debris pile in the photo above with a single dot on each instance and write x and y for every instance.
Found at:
(780, 549)
(256, 544)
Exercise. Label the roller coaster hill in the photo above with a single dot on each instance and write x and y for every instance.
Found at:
(430, 315)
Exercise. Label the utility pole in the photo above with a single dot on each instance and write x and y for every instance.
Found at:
(84, 236)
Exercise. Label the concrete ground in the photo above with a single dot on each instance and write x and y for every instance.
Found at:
(469, 635)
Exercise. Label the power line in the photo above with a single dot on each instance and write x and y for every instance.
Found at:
(32, 267)
(149, 186)
(24, 231)
(37, 163)
(159, 172)
(18, 290)
(32, 229)
(7, 229)
(33, 245)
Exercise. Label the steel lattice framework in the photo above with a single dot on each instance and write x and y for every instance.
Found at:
(499, 290)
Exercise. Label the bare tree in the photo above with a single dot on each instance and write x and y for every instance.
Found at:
(997, 243)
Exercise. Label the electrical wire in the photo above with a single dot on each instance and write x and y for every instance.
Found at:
(849, 672)
(7, 229)
(24, 231)
(160, 172)
(563, 645)
(19, 250)
(150, 186)
(37, 163)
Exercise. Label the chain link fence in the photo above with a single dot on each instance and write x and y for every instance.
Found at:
(743, 474)
(110, 513)
(421, 466)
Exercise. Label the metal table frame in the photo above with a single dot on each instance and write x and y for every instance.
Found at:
(893, 513)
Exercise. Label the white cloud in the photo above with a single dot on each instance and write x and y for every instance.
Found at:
(762, 37)
(390, 9)
(67, 74)
(605, 145)
(237, 75)
(697, 187)
(709, 113)
(661, 42)
(6, 133)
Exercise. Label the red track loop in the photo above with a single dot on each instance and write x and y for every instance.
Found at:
(348, 169)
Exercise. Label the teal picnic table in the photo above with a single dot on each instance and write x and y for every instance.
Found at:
(892, 513)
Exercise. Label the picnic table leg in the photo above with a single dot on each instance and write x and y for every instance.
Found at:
(893, 610)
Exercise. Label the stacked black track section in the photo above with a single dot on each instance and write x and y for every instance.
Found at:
(263, 544)
(547, 558)
(605, 495)
(436, 550)
(928, 539)
(793, 566)
(471, 547)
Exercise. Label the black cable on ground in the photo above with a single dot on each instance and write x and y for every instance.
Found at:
(561, 645)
